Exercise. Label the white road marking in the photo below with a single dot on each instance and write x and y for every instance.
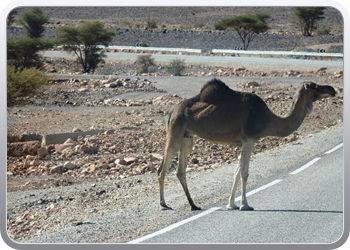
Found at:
(306, 166)
(316, 159)
(334, 149)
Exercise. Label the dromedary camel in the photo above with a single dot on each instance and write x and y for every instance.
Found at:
(222, 115)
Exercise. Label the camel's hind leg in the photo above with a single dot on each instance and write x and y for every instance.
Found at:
(185, 150)
(168, 155)
(175, 130)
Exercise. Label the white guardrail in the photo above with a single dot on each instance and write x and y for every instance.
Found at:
(220, 51)
(284, 53)
(150, 49)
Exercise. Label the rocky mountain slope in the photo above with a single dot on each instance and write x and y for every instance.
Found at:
(193, 27)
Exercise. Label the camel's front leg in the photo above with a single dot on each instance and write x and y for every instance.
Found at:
(241, 172)
(231, 202)
(245, 158)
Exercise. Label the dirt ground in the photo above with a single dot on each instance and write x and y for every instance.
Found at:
(130, 113)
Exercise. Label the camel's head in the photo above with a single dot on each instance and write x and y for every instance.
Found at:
(317, 92)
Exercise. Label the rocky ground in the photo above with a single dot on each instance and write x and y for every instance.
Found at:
(129, 111)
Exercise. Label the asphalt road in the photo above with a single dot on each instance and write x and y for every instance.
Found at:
(246, 60)
(303, 206)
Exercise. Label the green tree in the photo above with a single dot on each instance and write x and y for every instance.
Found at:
(83, 41)
(25, 53)
(11, 17)
(307, 17)
(247, 26)
(33, 21)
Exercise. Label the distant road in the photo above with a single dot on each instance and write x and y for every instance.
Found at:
(246, 61)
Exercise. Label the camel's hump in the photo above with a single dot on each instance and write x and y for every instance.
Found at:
(215, 91)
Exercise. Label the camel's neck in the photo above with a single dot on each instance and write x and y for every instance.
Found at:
(283, 126)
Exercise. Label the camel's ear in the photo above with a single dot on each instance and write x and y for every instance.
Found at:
(310, 85)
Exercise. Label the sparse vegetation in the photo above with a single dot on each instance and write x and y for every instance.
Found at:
(33, 21)
(145, 62)
(324, 31)
(11, 17)
(176, 67)
(25, 53)
(198, 25)
(189, 26)
(247, 26)
(143, 44)
(307, 18)
(151, 24)
(83, 40)
(254, 84)
(22, 83)
(126, 24)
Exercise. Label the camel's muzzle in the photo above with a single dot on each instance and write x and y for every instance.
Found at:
(326, 91)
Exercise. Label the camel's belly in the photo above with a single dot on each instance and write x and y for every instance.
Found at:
(228, 137)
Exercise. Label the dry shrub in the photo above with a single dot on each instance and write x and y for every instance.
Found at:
(23, 83)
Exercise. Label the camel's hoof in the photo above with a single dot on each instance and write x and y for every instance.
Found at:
(229, 207)
(164, 207)
(246, 208)
(194, 208)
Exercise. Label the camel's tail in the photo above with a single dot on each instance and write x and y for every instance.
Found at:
(167, 120)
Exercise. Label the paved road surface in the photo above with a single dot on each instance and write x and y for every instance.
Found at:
(304, 206)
